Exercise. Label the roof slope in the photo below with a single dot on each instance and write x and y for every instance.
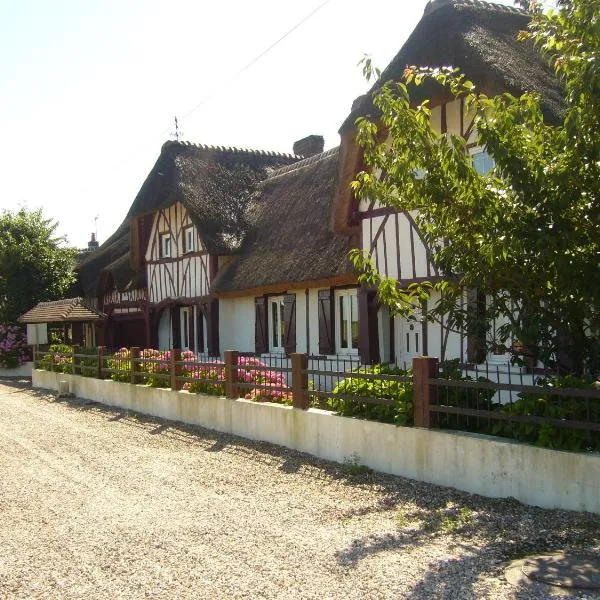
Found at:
(480, 38)
(62, 311)
(290, 240)
(214, 183)
(112, 257)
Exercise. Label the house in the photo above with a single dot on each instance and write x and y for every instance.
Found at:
(227, 248)
(292, 288)
(480, 38)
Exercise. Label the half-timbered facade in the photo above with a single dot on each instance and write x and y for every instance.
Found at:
(187, 222)
(480, 39)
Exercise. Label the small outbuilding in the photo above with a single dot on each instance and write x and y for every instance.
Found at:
(75, 318)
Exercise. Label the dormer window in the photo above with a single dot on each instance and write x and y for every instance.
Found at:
(189, 239)
(165, 245)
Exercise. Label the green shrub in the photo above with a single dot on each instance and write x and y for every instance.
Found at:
(58, 358)
(121, 363)
(463, 397)
(401, 392)
(544, 404)
(88, 367)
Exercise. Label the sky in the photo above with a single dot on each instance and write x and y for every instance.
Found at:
(89, 88)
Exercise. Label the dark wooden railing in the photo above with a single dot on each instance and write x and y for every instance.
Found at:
(437, 400)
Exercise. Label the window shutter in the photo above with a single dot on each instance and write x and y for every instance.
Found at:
(289, 319)
(261, 331)
(476, 347)
(326, 321)
(200, 329)
(176, 326)
(210, 309)
(368, 330)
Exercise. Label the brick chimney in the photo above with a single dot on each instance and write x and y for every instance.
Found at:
(93, 244)
(309, 146)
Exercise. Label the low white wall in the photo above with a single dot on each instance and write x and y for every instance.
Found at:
(473, 463)
(22, 371)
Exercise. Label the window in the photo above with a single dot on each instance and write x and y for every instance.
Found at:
(276, 324)
(185, 327)
(188, 239)
(347, 321)
(482, 162)
(165, 245)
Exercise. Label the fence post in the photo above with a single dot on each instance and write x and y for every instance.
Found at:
(135, 366)
(300, 397)
(424, 368)
(231, 362)
(175, 369)
(100, 361)
(75, 364)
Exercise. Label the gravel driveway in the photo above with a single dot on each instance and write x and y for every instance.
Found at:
(96, 503)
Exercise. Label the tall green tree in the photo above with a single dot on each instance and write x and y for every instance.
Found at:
(528, 233)
(35, 265)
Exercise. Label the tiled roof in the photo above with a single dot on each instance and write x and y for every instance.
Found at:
(62, 311)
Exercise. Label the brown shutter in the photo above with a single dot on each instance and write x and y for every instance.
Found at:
(176, 326)
(326, 322)
(289, 319)
(261, 330)
(210, 308)
(200, 329)
(191, 336)
(476, 347)
(368, 330)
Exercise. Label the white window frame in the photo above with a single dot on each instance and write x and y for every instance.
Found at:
(166, 245)
(189, 239)
(276, 325)
(480, 151)
(349, 298)
(184, 327)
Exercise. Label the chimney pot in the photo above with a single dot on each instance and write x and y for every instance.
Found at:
(309, 146)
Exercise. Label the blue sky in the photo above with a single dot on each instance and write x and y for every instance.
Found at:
(89, 88)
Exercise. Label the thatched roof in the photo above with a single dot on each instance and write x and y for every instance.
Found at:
(112, 258)
(214, 183)
(62, 311)
(480, 38)
(290, 240)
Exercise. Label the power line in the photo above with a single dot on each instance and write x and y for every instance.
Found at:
(259, 56)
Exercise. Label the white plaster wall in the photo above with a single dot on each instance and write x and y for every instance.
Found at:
(236, 324)
(473, 463)
(165, 331)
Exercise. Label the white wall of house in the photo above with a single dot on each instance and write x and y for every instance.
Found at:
(237, 316)
(236, 324)
(165, 335)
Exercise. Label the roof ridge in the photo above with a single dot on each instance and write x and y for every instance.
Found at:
(433, 5)
(302, 163)
(232, 149)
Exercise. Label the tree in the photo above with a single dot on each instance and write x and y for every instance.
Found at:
(528, 233)
(34, 264)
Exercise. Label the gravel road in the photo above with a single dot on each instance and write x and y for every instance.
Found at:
(97, 503)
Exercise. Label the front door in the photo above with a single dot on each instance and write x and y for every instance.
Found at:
(409, 341)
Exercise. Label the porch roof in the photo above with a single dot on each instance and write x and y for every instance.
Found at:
(62, 311)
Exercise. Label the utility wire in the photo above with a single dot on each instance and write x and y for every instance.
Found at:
(250, 64)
